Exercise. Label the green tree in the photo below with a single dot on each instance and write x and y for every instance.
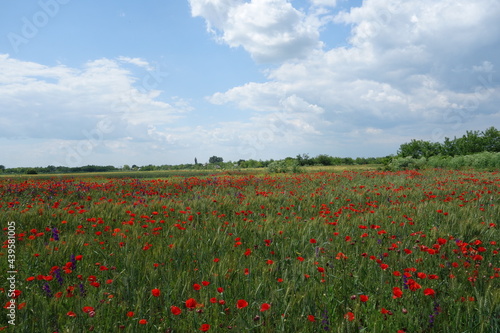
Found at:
(419, 148)
(215, 159)
(491, 140)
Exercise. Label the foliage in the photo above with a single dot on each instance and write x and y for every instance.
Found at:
(484, 160)
(284, 166)
(470, 143)
(215, 159)
(373, 251)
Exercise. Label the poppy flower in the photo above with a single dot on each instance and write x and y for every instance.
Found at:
(143, 322)
(204, 327)
(175, 310)
(191, 303)
(349, 316)
(363, 298)
(87, 309)
(429, 292)
(241, 304)
(71, 314)
(397, 292)
(196, 286)
(311, 318)
(155, 292)
(130, 314)
(312, 241)
(265, 307)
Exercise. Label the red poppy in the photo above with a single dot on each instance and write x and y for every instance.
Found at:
(191, 303)
(241, 304)
(429, 292)
(349, 316)
(220, 290)
(130, 314)
(143, 322)
(397, 292)
(265, 307)
(311, 318)
(312, 241)
(87, 309)
(363, 298)
(155, 292)
(196, 286)
(175, 310)
(71, 314)
(204, 327)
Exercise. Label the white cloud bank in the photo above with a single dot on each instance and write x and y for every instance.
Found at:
(413, 69)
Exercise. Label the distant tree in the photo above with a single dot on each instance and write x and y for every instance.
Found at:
(2, 168)
(126, 167)
(215, 159)
(195, 161)
(323, 159)
(419, 148)
(491, 138)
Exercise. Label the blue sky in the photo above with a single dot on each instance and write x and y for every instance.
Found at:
(162, 82)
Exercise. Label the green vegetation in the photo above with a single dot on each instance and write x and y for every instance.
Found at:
(347, 251)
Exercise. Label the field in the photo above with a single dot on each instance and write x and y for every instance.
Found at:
(344, 251)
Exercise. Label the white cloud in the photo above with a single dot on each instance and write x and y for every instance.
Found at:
(136, 61)
(270, 30)
(413, 68)
(324, 3)
(101, 102)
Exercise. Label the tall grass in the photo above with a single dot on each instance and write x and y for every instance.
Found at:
(309, 245)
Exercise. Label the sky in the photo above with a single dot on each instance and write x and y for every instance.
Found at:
(164, 82)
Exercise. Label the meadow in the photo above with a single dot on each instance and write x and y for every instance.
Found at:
(319, 251)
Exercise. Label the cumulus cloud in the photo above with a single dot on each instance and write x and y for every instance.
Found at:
(270, 30)
(101, 101)
(426, 65)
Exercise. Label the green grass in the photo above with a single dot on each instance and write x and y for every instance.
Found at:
(245, 233)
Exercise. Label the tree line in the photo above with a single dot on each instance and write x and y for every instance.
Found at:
(470, 143)
(416, 153)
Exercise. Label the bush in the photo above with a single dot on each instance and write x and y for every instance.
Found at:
(284, 166)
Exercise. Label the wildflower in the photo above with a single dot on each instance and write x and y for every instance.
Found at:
(204, 327)
(143, 322)
(130, 314)
(429, 292)
(363, 298)
(241, 304)
(397, 292)
(191, 303)
(155, 292)
(349, 316)
(265, 307)
(175, 310)
(311, 318)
